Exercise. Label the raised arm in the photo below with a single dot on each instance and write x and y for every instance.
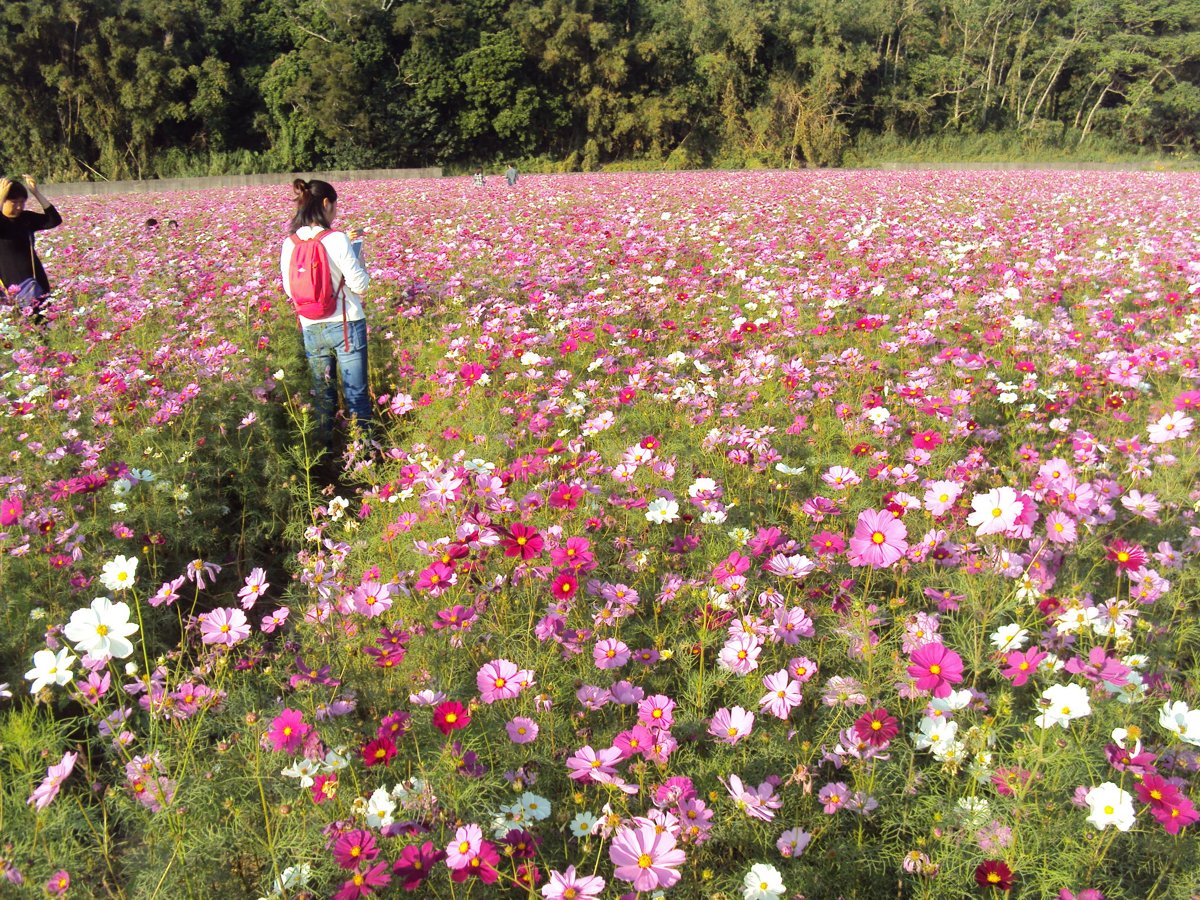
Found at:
(48, 217)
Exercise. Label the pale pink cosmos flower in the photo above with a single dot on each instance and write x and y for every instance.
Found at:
(224, 625)
(373, 598)
(1172, 426)
(783, 694)
(757, 803)
(940, 496)
(740, 654)
(568, 885)
(731, 725)
(995, 511)
(43, 795)
(466, 845)
(878, 540)
(646, 857)
(1061, 528)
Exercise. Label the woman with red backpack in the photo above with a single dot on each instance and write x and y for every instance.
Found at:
(324, 278)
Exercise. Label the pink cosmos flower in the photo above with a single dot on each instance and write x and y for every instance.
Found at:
(793, 842)
(498, 680)
(11, 509)
(522, 730)
(567, 885)
(58, 883)
(940, 496)
(731, 725)
(878, 540)
(610, 653)
(363, 883)
(255, 586)
(646, 857)
(657, 711)
(833, 797)
(1171, 808)
(224, 625)
(564, 586)
(43, 795)
(436, 578)
(587, 762)
(288, 731)
(275, 620)
(1019, 665)
(935, 667)
(735, 564)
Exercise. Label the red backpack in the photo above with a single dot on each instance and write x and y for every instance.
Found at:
(310, 278)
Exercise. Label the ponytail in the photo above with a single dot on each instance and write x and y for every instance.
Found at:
(310, 203)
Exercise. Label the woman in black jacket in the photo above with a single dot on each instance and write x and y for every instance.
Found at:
(18, 257)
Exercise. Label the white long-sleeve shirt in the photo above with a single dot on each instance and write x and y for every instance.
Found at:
(341, 261)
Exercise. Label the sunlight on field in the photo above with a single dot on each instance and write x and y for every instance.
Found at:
(721, 534)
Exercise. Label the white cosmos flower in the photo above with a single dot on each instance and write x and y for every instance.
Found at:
(50, 668)
(662, 510)
(1110, 805)
(1062, 703)
(119, 574)
(1009, 637)
(101, 630)
(1177, 718)
(763, 882)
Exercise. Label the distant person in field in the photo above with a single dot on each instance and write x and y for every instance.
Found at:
(20, 268)
(324, 278)
(477, 179)
(510, 174)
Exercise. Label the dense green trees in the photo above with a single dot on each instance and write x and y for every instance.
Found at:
(120, 88)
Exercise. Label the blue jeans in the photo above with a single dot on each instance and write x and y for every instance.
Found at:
(325, 345)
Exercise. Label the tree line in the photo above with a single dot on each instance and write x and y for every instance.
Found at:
(137, 88)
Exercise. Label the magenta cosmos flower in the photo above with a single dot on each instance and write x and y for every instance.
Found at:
(646, 857)
(224, 625)
(935, 667)
(288, 731)
(878, 540)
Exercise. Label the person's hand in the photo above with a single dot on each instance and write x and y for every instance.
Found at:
(31, 183)
(354, 234)
(5, 184)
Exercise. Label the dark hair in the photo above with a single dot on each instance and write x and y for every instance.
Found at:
(16, 191)
(152, 223)
(310, 203)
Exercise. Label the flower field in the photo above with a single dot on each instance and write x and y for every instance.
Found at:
(720, 535)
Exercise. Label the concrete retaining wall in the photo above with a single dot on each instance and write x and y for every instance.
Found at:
(101, 188)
